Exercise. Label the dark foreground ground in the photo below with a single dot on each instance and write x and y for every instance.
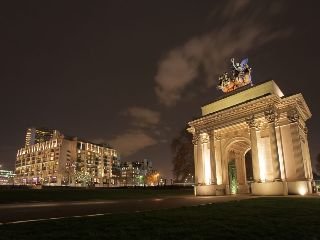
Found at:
(39, 211)
(54, 194)
(261, 218)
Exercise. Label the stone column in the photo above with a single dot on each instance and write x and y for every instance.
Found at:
(212, 158)
(206, 158)
(195, 140)
(293, 117)
(218, 159)
(254, 148)
(200, 163)
(270, 116)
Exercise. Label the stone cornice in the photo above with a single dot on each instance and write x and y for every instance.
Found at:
(297, 101)
(257, 107)
(237, 113)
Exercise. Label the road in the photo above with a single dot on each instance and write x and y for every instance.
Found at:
(40, 211)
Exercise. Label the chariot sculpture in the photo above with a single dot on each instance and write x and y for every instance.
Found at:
(239, 76)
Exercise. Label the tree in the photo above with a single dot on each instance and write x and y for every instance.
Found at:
(83, 177)
(182, 150)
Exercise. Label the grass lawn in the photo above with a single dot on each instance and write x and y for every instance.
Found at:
(78, 194)
(263, 218)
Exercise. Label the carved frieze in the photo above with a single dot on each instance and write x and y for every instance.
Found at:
(255, 107)
(235, 113)
(206, 129)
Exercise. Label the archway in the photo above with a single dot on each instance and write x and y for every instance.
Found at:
(232, 176)
(238, 166)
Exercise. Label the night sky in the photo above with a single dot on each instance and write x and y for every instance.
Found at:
(132, 73)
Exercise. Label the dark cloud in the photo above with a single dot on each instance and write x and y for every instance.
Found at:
(132, 141)
(142, 117)
(136, 136)
(204, 56)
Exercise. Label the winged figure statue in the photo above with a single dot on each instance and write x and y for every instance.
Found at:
(240, 76)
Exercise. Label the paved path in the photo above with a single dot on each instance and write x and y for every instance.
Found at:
(32, 212)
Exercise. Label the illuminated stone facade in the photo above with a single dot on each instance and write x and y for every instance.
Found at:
(65, 161)
(253, 140)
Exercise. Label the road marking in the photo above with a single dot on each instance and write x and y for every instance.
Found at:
(56, 204)
(26, 221)
(55, 218)
(157, 199)
(98, 214)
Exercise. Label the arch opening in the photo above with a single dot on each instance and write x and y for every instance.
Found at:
(238, 166)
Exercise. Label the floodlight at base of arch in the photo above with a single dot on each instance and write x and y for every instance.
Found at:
(299, 187)
(302, 191)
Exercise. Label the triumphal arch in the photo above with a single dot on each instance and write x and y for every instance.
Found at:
(253, 139)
